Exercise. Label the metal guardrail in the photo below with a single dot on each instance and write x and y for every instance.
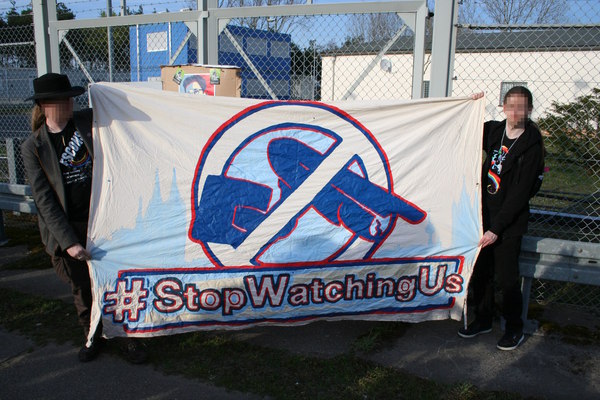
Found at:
(556, 260)
(18, 198)
(14, 197)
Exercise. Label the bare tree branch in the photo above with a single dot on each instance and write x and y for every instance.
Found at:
(513, 12)
(372, 27)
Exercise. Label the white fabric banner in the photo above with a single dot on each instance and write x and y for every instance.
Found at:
(224, 213)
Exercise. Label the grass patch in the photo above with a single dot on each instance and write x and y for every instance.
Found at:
(39, 318)
(245, 367)
(379, 336)
(566, 176)
(238, 365)
(572, 334)
(36, 257)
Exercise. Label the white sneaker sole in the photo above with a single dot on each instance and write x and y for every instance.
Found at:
(462, 335)
(511, 347)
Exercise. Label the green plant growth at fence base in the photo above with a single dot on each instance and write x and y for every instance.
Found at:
(573, 142)
(35, 256)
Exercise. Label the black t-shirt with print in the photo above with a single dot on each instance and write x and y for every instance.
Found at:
(498, 156)
(76, 167)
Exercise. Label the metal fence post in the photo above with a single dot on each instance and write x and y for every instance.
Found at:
(419, 51)
(211, 39)
(443, 47)
(42, 39)
(109, 40)
(202, 46)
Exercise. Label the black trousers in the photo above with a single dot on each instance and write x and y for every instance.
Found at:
(500, 261)
(76, 274)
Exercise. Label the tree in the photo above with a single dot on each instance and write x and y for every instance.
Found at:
(19, 28)
(574, 130)
(306, 62)
(512, 12)
(274, 24)
(14, 18)
(64, 13)
(373, 27)
(25, 17)
(365, 28)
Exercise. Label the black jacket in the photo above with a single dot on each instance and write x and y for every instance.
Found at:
(46, 181)
(506, 212)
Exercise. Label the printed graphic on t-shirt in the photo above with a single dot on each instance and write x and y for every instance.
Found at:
(77, 161)
(498, 157)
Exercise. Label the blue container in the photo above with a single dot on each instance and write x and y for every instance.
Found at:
(266, 55)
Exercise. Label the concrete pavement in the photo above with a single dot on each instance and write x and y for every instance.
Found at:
(543, 366)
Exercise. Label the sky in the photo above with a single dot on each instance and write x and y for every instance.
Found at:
(89, 9)
(581, 11)
(93, 8)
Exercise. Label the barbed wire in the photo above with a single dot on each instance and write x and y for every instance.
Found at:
(100, 6)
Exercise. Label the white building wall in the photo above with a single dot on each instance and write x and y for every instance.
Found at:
(339, 74)
(551, 76)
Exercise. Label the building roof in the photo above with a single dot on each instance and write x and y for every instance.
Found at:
(543, 39)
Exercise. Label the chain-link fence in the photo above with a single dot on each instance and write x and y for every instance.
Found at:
(557, 56)
(310, 57)
(317, 58)
(365, 55)
(18, 61)
(560, 64)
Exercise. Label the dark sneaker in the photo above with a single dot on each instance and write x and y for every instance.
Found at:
(510, 340)
(135, 352)
(475, 328)
(89, 353)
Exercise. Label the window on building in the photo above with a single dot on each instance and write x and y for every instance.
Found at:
(280, 49)
(157, 41)
(506, 86)
(256, 46)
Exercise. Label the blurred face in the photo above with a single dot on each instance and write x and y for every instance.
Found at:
(517, 110)
(57, 109)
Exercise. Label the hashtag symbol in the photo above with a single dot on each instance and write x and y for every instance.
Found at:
(124, 303)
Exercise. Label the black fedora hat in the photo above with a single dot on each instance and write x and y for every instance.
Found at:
(54, 86)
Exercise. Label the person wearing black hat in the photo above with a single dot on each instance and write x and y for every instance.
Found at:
(58, 158)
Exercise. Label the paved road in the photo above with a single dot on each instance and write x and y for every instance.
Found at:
(544, 366)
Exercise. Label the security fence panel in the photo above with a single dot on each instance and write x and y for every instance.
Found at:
(154, 45)
(135, 54)
(312, 57)
(99, 54)
(125, 48)
(328, 52)
(17, 57)
(557, 57)
(308, 52)
(554, 50)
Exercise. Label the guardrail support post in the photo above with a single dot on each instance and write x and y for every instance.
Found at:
(3, 238)
(13, 153)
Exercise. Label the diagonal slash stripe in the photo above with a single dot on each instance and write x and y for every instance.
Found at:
(284, 213)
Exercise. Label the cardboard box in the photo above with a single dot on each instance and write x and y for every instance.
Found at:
(210, 80)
